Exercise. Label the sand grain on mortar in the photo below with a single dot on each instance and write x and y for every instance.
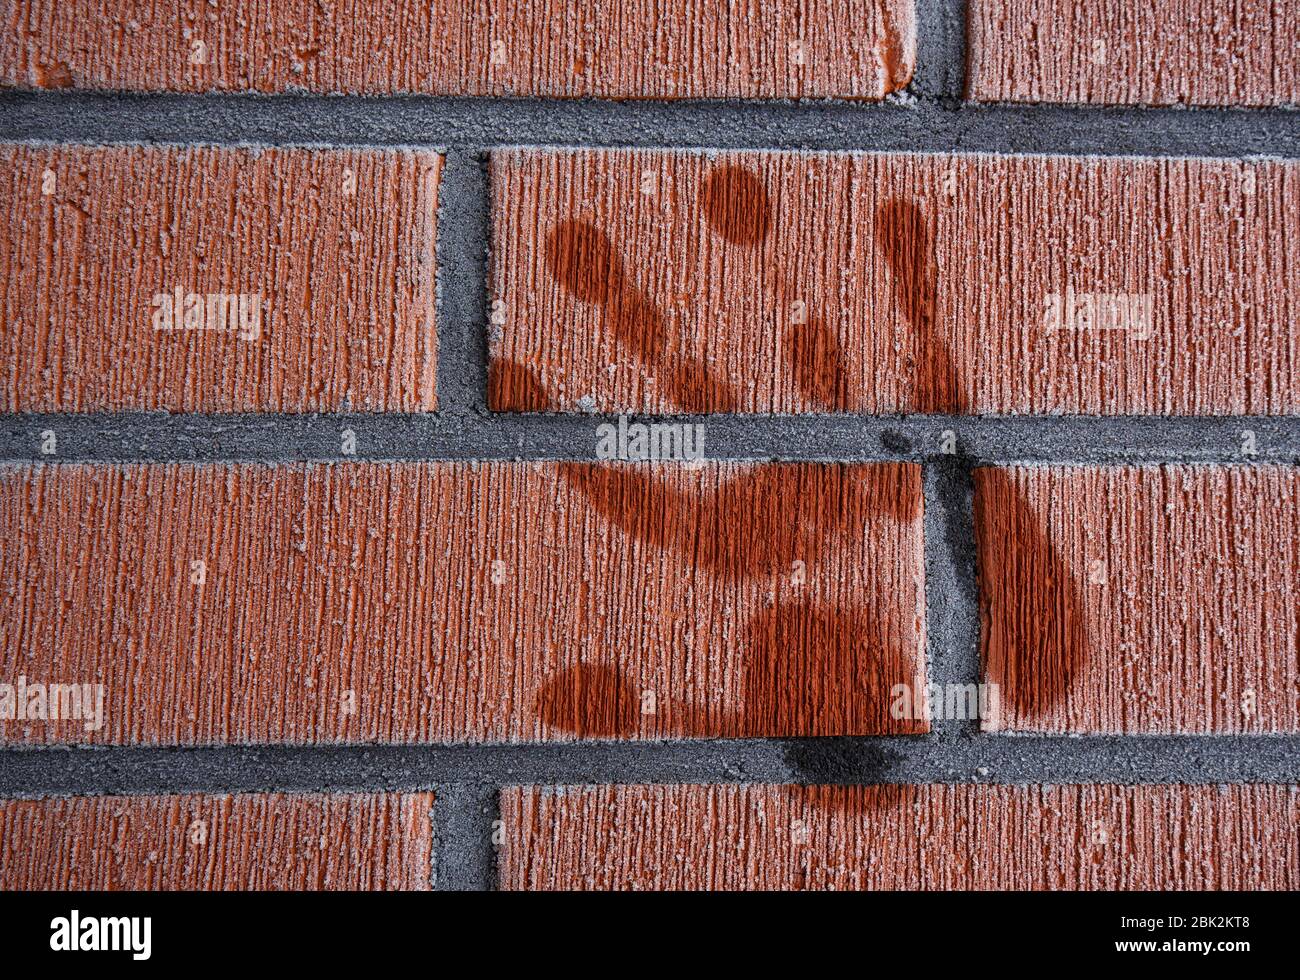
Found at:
(433, 602)
(1114, 52)
(1141, 600)
(861, 49)
(246, 842)
(900, 837)
(330, 253)
(663, 281)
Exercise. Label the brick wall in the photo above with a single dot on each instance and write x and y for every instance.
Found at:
(328, 560)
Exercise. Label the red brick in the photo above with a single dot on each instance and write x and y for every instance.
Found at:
(667, 49)
(1141, 600)
(1161, 52)
(254, 842)
(752, 600)
(936, 837)
(345, 277)
(790, 282)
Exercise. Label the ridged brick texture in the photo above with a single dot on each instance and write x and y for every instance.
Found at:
(901, 837)
(1141, 600)
(667, 281)
(322, 263)
(1161, 52)
(861, 49)
(424, 602)
(253, 842)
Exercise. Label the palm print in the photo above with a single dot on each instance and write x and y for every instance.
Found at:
(797, 652)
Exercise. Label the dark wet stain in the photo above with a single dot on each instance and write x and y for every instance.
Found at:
(808, 669)
(590, 701)
(897, 71)
(584, 261)
(896, 442)
(813, 351)
(826, 672)
(57, 75)
(513, 384)
(825, 764)
(1045, 619)
(737, 205)
(747, 528)
(955, 487)
(906, 238)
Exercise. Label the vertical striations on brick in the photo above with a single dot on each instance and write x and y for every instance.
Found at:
(245, 842)
(671, 281)
(205, 279)
(622, 49)
(1141, 600)
(446, 602)
(1115, 52)
(899, 837)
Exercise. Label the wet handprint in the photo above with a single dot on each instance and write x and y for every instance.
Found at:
(805, 669)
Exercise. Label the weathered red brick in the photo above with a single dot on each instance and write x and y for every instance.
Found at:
(249, 842)
(667, 281)
(438, 602)
(901, 837)
(611, 48)
(1141, 600)
(337, 247)
(1160, 52)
